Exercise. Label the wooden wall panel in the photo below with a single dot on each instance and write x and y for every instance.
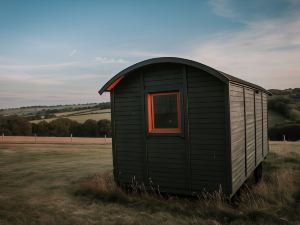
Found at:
(238, 141)
(207, 129)
(265, 124)
(128, 139)
(166, 155)
(259, 131)
(250, 129)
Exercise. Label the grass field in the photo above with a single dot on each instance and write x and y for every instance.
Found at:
(71, 184)
(81, 116)
(53, 140)
(32, 110)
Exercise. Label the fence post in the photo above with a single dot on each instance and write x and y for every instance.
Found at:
(35, 138)
(71, 137)
(283, 137)
(105, 138)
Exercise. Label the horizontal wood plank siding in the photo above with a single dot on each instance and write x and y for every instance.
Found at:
(237, 118)
(223, 134)
(265, 124)
(250, 129)
(128, 130)
(259, 134)
(166, 155)
(206, 109)
(248, 113)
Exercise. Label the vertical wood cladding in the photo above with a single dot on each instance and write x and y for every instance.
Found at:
(206, 106)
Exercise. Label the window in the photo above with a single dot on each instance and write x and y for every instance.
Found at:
(164, 112)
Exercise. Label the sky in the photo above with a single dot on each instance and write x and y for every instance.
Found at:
(62, 52)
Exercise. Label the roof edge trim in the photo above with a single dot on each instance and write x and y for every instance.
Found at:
(218, 74)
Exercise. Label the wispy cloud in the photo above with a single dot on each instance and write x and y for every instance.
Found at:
(29, 79)
(147, 54)
(44, 80)
(73, 52)
(105, 60)
(294, 3)
(222, 8)
(37, 66)
(265, 52)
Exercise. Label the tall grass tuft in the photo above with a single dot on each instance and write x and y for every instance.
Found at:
(266, 199)
(275, 190)
(102, 186)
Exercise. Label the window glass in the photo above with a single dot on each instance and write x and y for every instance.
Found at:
(165, 111)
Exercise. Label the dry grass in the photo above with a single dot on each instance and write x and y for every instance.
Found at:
(53, 140)
(102, 186)
(62, 184)
(275, 192)
(274, 200)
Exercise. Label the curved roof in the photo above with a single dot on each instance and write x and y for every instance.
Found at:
(218, 74)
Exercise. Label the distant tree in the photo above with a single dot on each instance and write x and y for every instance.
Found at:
(62, 127)
(14, 125)
(291, 132)
(41, 129)
(6, 132)
(281, 106)
(103, 105)
(104, 127)
(89, 128)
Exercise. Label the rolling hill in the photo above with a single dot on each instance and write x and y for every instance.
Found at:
(79, 112)
(283, 105)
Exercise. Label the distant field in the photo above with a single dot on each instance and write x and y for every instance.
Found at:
(54, 184)
(81, 116)
(43, 140)
(33, 110)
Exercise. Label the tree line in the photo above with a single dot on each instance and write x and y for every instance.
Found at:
(286, 103)
(283, 107)
(62, 127)
(289, 132)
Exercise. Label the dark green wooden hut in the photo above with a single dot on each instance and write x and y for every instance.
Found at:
(185, 127)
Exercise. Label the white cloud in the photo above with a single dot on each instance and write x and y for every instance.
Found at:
(104, 60)
(265, 52)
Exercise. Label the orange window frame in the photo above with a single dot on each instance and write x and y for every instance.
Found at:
(151, 127)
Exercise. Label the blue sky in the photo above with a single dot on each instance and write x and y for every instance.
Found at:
(58, 52)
